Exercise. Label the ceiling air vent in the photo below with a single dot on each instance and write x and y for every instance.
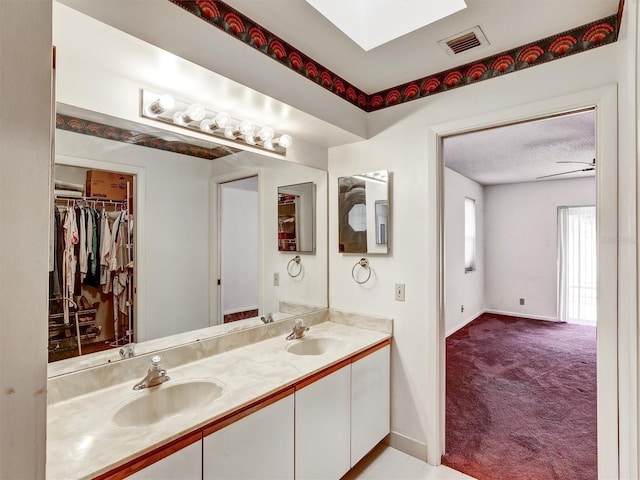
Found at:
(464, 41)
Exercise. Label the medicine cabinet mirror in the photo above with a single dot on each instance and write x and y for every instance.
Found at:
(363, 213)
(296, 218)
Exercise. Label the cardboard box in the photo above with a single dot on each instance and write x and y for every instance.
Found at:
(108, 185)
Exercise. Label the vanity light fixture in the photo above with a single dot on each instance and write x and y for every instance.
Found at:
(194, 116)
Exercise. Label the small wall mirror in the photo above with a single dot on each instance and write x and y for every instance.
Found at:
(296, 218)
(363, 211)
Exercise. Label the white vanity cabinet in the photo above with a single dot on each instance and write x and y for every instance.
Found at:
(259, 445)
(184, 464)
(370, 402)
(322, 427)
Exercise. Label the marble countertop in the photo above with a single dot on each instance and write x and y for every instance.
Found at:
(83, 441)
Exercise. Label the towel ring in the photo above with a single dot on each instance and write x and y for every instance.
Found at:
(295, 260)
(364, 263)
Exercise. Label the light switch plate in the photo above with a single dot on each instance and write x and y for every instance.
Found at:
(276, 279)
(400, 292)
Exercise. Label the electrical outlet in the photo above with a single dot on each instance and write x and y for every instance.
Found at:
(400, 292)
(276, 279)
(522, 301)
(461, 308)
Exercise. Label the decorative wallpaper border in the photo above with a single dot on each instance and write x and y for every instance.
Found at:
(580, 39)
(95, 129)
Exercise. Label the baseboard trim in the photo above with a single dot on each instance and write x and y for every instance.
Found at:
(464, 323)
(522, 315)
(407, 445)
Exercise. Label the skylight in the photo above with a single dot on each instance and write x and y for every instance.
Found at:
(371, 23)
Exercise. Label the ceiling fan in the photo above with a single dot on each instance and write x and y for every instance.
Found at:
(591, 166)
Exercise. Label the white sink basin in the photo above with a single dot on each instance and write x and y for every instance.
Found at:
(157, 403)
(314, 346)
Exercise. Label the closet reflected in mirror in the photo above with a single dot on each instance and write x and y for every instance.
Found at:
(91, 282)
(363, 213)
(180, 288)
(296, 218)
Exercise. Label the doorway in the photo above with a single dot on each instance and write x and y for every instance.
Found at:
(609, 356)
(239, 240)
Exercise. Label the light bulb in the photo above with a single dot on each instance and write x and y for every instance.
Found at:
(285, 141)
(265, 133)
(206, 124)
(194, 113)
(161, 105)
(222, 120)
(246, 128)
(250, 139)
(230, 132)
(268, 144)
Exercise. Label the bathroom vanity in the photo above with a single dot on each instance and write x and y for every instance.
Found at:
(245, 405)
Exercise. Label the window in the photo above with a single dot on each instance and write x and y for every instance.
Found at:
(469, 235)
(577, 290)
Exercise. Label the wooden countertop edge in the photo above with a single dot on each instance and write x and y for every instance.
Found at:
(158, 453)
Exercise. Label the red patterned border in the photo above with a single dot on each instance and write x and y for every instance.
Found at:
(95, 129)
(230, 21)
(574, 41)
(586, 37)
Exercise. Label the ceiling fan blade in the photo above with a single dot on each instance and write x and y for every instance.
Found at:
(565, 173)
(582, 163)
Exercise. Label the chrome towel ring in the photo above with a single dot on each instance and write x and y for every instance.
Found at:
(295, 260)
(363, 263)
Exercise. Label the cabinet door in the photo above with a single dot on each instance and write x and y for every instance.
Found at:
(370, 409)
(257, 446)
(185, 464)
(322, 427)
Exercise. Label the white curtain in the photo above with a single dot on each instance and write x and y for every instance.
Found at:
(577, 289)
(469, 234)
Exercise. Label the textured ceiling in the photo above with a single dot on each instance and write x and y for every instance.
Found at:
(522, 152)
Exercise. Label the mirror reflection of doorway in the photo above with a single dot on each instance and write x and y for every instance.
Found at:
(239, 249)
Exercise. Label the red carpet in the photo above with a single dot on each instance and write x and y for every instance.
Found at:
(521, 400)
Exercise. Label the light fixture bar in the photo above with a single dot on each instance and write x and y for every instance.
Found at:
(198, 118)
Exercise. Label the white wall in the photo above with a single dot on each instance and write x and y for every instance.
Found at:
(176, 220)
(521, 249)
(401, 142)
(462, 289)
(240, 249)
(25, 146)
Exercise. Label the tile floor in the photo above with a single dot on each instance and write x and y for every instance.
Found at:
(386, 463)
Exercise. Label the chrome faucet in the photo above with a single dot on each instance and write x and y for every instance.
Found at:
(298, 330)
(268, 318)
(155, 375)
(128, 350)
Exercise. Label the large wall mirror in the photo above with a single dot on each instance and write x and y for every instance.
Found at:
(205, 245)
(198, 239)
(363, 213)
